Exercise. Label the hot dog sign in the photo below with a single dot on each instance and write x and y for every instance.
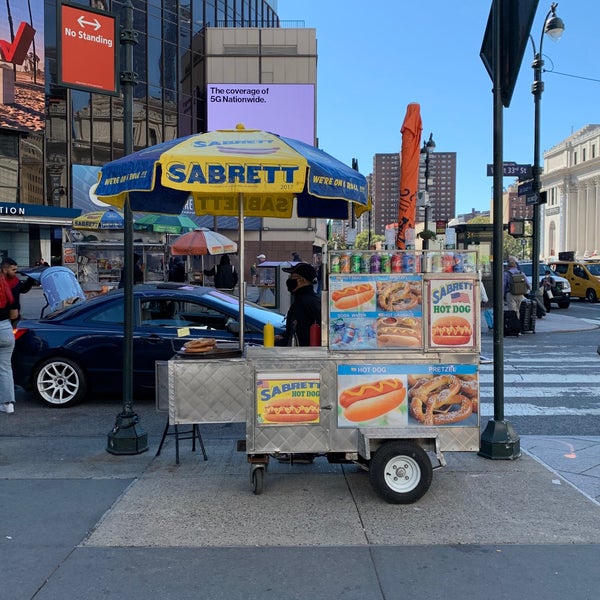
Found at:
(393, 395)
(378, 311)
(287, 398)
(451, 313)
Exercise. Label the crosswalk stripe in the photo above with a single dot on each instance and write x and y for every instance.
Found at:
(551, 375)
(531, 410)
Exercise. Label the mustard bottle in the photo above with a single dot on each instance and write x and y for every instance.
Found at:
(268, 335)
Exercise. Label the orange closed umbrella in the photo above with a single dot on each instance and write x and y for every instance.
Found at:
(409, 171)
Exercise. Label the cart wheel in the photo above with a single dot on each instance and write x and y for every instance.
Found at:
(258, 479)
(400, 472)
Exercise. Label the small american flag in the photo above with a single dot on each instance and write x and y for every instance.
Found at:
(459, 297)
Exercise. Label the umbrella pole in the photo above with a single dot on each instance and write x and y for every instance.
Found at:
(242, 286)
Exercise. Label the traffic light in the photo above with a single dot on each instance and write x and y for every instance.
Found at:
(516, 227)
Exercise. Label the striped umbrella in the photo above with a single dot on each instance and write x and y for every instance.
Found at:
(202, 241)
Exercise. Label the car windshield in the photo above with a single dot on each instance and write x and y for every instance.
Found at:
(527, 267)
(594, 269)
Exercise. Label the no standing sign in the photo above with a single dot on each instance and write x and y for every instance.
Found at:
(87, 53)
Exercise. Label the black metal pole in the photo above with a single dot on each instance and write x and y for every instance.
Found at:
(127, 437)
(498, 440)
(425, 244)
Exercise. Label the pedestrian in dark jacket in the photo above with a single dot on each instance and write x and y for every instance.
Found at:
(225, 275)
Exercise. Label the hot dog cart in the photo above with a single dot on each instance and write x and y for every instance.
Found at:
(394, 384)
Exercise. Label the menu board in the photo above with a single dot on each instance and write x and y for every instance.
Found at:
(394, 395)
(376, 311)
(451, 307)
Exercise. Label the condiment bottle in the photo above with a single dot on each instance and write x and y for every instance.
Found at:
(268, 335)
(315, 334)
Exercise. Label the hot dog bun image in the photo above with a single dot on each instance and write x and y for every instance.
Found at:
(368, 401)
(399, 332)
(352, 296)
(290, 410)
(451, 331)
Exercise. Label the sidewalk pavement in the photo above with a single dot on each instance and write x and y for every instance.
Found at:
(78, 522)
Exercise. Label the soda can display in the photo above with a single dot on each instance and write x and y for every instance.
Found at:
(375, 263)
(365, 263)
(386, 263)
(408, 262)
(436, 263)
(396, 263)
(448, 262)
(459, 262)
(355, 263)
(335, 263)
(345, 263)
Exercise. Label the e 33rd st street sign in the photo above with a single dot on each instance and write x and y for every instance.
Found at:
(87, 53)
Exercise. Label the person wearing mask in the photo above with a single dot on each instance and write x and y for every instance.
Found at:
(17, 286)
(8, 313)
(305, 309)
(225, 275)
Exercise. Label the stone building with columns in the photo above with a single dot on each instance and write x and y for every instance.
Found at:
(571, 179)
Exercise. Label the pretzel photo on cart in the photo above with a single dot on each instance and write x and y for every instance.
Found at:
(443, 399)
(399, 295)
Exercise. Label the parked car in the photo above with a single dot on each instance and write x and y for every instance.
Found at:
(562, 296)
(584, 277)
(78, 349)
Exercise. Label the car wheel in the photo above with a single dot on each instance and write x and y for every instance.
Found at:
(564, 304)
(59, 382)
(590, 296)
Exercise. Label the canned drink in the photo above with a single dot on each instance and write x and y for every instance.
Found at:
(348, 336)
(459, 262)
(345, 263)
(408, 262)
(448, 262)
(396, 263)
(386, 263)
(335, 263)
(355, 263)
(375, 263)
(436, 263)
(365, 263)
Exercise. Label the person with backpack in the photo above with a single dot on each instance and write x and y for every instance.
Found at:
(515, 285)
(225, 275)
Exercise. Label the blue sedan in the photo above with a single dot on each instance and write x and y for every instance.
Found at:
(79, 349)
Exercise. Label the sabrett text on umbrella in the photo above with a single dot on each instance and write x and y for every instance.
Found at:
(194, 173)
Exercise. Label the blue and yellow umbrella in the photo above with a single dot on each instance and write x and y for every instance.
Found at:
(220, 168)
(100, 219)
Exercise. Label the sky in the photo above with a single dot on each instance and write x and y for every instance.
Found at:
(376, 57)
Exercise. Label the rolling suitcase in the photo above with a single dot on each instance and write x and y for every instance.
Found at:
(527, 315)
(512, 323)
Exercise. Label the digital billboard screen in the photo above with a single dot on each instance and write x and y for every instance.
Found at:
(287, 109)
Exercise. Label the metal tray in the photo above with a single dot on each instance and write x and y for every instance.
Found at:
(216, 353)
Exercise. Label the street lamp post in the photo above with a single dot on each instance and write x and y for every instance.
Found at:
(554, 27)
(428, 147)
